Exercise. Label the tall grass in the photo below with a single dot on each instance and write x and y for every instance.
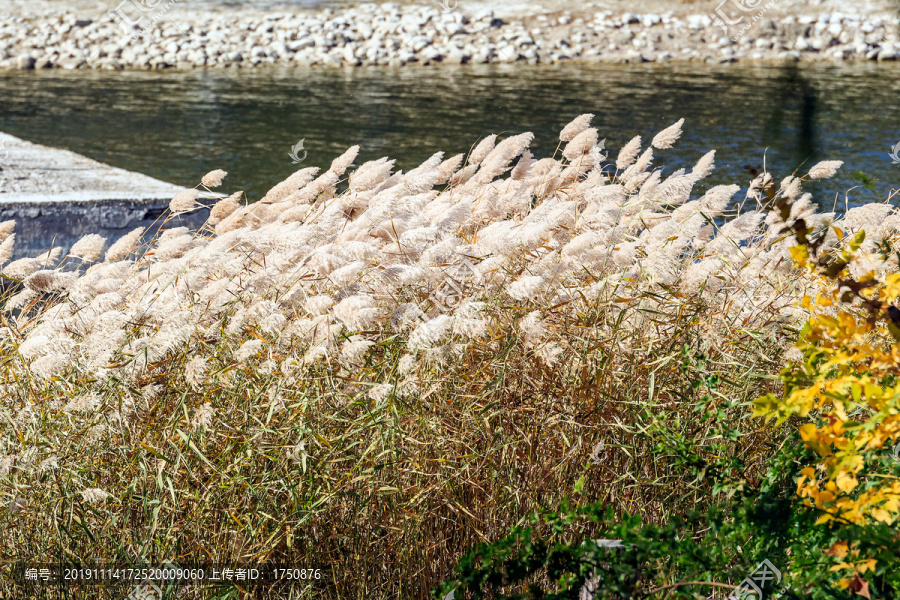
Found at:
(375, 379)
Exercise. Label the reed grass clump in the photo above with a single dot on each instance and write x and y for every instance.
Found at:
(373, 373)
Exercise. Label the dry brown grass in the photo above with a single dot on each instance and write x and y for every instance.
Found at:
(383, 467)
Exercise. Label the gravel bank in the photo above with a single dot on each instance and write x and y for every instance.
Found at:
(394, 34)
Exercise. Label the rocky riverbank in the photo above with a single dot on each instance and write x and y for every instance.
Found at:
(394, 34)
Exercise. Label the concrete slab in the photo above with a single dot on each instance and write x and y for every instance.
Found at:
(57, 196)
(34, 173)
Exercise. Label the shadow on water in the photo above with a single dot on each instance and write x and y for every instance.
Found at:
(795, 98)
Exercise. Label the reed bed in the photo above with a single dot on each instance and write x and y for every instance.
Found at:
(371, 374)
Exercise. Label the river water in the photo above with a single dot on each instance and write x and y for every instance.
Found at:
(178, 126)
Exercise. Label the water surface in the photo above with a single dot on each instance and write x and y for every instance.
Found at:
(178, 126)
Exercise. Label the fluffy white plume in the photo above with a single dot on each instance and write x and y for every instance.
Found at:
(343, 162)
(94, 495)
(629, 153)
(6, 228)
(214, 178)
(825, 169)
(224, 208)
(313, 279)
(668, 136)
(577, 126)
(124, 246)
(89, 248)
(705, 165)
(184, 201)
(581, 144)
(6, 248)
(480, 152)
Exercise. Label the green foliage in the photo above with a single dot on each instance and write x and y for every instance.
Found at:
(713, 455)
(756, 516)
(867, 181)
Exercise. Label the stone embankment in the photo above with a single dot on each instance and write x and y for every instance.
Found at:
(57, 196)
(394, 34)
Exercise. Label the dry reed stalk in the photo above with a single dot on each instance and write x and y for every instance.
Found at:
(376, 379)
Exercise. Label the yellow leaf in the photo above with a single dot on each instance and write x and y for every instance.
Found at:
(826, 497)
(879, 514)
(824, 518)
(808, 432)
(800, 254)
(841, 566)
(838, 549)
(846, 482)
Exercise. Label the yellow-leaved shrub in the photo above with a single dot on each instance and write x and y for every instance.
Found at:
(847, 382)
(844, 383)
